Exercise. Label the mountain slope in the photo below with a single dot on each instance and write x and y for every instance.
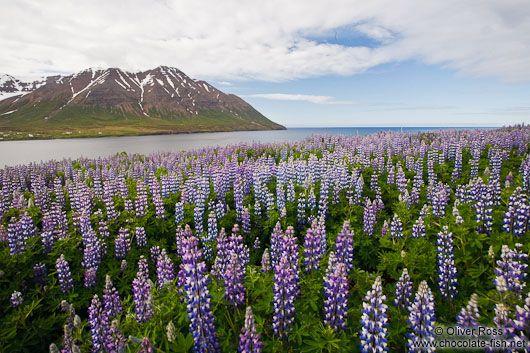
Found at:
(10, 86)
(115, 102)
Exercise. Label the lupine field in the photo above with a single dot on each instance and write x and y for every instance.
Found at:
(330, 244)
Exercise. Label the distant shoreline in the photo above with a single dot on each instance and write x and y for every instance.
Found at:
(380, 128)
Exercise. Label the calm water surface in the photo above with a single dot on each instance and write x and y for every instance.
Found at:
(23, 152)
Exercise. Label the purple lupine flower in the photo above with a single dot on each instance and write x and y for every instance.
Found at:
(265, 261)
(111, 299)
(235, 272)
(179, 213)
(469, 316)
(154, 253)
(384, 228)
(401, 180)
(65, 276)
(236, 245)
(69, 345)
(160, 212)
(284, 296)
(141, 238)
(40, 274)
(15, 238)
(245, 220)
(16, 299)
(140, 203)
(396, 227)
(220, 209)
(122, 243)
(194, 281)
(403, 293)
(374, 334)
(234, 277)
(249, 340)
(344, 247)
(521, 321)
(103, 229)
(89, 280)
(439, 201)
(128, 205)
(198, 213)
(146, 346)
(300, 210)
(48, 235)
(484, 210)
(447, 275)
(425, 211)
(208, 240)
(418, 229)
(123, 266)
(115, 341)
(289, 248)
(221, 258)
(370, 213)
(312, 250)
(257, 244)
(320, 228)
(521, 216)
(3, 231)
(98, 323)
(276, 238)
(512, 268)
(336, 296)
(421, 319)
(503, 321)
(509, 221)
(165, 270)
(141, 286)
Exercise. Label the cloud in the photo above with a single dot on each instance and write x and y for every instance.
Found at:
(299, 97)
(271, 40)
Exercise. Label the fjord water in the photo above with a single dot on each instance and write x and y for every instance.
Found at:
(23, 152)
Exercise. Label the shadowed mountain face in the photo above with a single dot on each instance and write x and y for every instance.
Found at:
(155, 101)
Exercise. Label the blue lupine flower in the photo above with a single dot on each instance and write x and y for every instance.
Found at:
(447, 275)
(312, 250)
(16, 299)
(421, 319)
(512, 268)
(249, 340)
(469, 316)
(374, 333)
(111, 299)
(403, 293)
(65, 276)
(141, 287)
(418, 229)
(194, 282)
(336, 295)
(165, 270)
(98, 323)
(396, 227)
(344, 247)
(284, 297)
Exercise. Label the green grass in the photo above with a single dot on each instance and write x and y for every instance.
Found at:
(103, 121)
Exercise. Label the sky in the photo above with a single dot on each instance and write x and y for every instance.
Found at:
(299, 62)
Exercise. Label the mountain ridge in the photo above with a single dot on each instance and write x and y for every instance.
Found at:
(161, 100)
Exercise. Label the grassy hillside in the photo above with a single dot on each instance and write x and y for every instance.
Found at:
(78, 121)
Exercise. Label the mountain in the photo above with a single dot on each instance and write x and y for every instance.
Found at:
(10, 86)
(115, 102)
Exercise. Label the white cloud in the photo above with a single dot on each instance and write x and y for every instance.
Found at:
(299, 97)
(269, 40)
